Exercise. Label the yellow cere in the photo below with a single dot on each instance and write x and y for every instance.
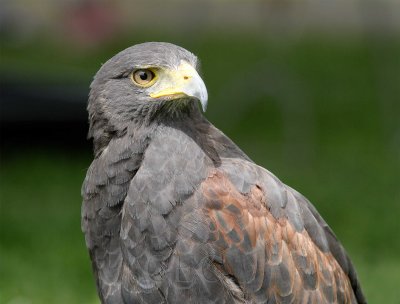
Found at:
(175, 82)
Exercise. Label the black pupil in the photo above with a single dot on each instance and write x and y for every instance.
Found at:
(143, 75)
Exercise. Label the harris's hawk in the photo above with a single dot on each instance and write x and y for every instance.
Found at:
(175, 212)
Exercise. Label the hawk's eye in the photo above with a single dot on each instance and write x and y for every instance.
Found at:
(143, 77)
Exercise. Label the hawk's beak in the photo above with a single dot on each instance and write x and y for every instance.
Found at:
(181, 82)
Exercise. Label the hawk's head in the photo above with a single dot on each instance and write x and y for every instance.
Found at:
(143, 81)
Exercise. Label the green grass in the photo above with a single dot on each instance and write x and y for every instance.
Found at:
(321, 114)
(43, 257)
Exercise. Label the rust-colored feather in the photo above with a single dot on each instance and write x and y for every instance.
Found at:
(292, 265)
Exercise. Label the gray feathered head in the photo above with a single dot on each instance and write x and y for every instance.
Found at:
(141, 82)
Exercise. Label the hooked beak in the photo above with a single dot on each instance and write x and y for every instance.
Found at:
(182, 82)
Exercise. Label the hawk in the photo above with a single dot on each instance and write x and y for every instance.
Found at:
(174, 212)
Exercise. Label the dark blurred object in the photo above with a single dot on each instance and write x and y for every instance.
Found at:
(41, 102)
(42, 114)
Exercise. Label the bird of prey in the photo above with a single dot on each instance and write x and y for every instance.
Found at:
(174, 212)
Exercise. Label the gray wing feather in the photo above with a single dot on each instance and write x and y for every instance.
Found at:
(104, 190)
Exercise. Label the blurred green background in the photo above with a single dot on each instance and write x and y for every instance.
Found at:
(310, 91)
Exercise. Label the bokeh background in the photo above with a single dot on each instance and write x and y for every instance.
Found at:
(308, 89)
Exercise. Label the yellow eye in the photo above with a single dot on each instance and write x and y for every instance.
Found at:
(143, 77)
